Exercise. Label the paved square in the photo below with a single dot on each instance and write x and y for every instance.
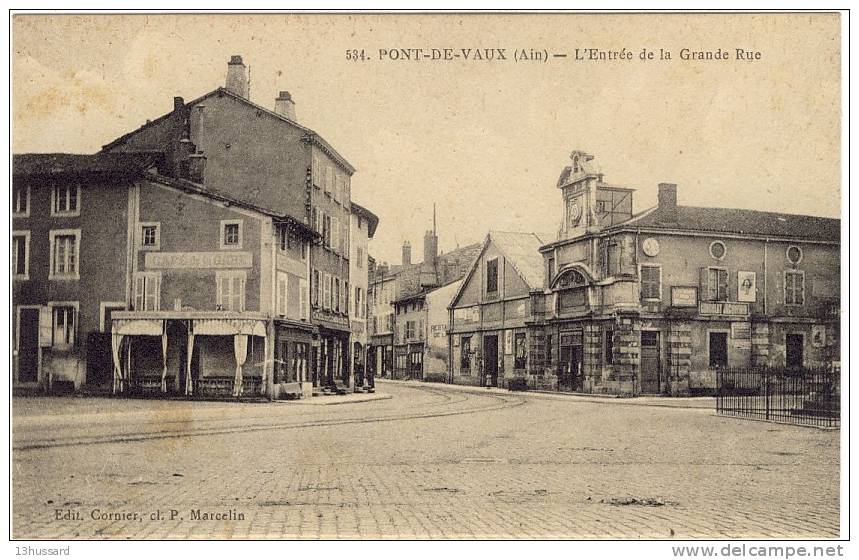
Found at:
(432, 462)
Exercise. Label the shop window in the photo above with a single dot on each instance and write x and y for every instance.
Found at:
(520, 351)
(608, 346)
(465, 353)
(64, 319)
(794, 287)
(718, 349)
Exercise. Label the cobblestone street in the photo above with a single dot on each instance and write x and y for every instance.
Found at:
(431, 462)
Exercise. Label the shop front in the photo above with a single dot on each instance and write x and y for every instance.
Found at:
(205, 354)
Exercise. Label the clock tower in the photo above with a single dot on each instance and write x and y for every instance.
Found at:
(578, 183)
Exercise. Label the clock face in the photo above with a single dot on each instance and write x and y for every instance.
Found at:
(575, 212)
(650, 247)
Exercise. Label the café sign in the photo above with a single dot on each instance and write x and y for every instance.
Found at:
(214, 259)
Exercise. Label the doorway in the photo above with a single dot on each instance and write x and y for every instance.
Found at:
(571, 376)
(650, 362)
(490, 360)
(793, 343)
(28, 345)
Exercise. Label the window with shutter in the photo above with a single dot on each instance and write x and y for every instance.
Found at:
(326, 293)
(302, 298)
(147, 291)
(714, 284)
(282, 291)
(230, 290)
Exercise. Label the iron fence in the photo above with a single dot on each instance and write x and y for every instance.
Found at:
(797, 396)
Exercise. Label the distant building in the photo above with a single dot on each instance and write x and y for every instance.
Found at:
(489, 314)
(398, 305)
(656, 302)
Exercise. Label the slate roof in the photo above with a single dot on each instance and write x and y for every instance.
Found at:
(523, 252)
(114, 164)
(739, 221)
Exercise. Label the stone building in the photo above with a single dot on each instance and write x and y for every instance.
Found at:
(363, 227)
(656, 302)
(273, 237)
(489, 314)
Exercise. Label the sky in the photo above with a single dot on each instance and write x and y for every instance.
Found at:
(484, 141)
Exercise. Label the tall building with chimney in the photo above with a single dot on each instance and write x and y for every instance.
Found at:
(275, 243)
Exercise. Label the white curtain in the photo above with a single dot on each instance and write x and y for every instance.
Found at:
(265, 365)
(240, 342)
(164, 359)
(189, 385)
(116, 344)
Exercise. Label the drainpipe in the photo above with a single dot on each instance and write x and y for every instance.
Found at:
(766, 243)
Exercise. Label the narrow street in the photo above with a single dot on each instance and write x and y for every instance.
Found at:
(431, 462)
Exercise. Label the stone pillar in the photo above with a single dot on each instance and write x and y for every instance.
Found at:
(679, 350)
(627, 357)
(592, 347)
(761, 345)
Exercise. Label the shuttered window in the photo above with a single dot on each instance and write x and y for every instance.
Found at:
(282, 291)
(794, 287)
(231, 290)
(714, 284)
(147, 291)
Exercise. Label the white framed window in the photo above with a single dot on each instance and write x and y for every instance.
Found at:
(66, 200)
(651, 282)
(150, 236)
(794, 287)
(64, 322)
(284, 239)
(360, 256)
(302, 298)
(316, 287)
(282, 292)
(230, 285)
(326, 292)
(65, 254)
(344, 240)
(329, 177)
(21, 201)
(20, 255)
(231, 234)
(147, 291)
(316, 169)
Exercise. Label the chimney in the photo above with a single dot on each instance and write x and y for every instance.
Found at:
(237, 76)
(407, 253)
(668, 202)
(178, 103)
(285, 106)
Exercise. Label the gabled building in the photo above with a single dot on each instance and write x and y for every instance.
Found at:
(490, 343)
(656, 302)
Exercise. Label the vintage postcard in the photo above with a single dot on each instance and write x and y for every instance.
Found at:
(426, 276)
